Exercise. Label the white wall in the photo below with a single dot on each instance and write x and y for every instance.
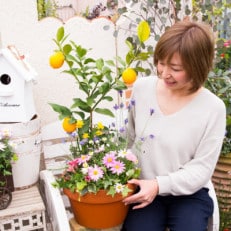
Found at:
(19, 26)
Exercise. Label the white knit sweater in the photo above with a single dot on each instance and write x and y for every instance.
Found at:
(186, 144)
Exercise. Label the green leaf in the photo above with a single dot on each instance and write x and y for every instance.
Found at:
(60, 34)
(62, 110)
(89, 60)
(129, 57)
(119, 86)
(105, 87)
(80, 185)
(81, 104)
(99, 64)
(67, 49)
(108, 98)
(104, 111)
(81, 51)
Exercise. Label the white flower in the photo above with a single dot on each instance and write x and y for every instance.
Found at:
(122, 153)
(13, 144)
(6, 132)
(119, 188)
(2, 146)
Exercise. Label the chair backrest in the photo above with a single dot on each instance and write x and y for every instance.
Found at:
(55, 148)
(56, 144)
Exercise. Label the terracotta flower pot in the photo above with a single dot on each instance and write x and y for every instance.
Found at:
(222, 181)
(98, 211)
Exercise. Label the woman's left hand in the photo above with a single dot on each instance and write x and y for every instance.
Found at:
(147, 193)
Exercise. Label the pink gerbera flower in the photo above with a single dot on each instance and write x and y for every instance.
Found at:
(83, 159)
(109, 159)
(95, 173)
(117, 167)
(130, 156)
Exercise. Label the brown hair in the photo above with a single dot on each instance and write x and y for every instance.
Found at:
(195, 44)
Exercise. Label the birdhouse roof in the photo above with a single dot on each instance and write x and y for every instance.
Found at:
(19, 62)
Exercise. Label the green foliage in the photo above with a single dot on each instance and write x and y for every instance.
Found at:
(46, 8)
(96, 78)
(100, 159)
(7, 155)
(219, 82)
(223, 54)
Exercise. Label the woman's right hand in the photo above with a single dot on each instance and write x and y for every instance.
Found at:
(147, 193)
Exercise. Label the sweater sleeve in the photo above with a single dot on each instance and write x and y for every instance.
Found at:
(196, 173)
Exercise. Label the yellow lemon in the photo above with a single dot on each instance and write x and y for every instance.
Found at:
(57, 59)
(67, 126)
(129, 76)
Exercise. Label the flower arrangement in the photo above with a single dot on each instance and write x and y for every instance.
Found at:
(223, 55)
(7, 154)
(219, 82)
(100, 158)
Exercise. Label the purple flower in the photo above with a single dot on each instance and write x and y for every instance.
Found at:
(152, 111)
(120, 93)
(121, 105)
(142, 139)
(126, 121)
(116, 107)
(151, 136)
(133, 102)
(82, 142)
(122, 129)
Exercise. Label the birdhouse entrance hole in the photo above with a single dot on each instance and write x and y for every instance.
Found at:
(5, 79)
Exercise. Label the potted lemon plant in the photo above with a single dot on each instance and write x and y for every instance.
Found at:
(100, 165)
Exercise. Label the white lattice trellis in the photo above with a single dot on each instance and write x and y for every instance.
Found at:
(28, 222)
(25, 213)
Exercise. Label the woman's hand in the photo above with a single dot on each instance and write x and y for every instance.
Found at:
(148, 191)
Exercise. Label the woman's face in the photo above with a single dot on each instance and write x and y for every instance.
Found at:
(173, 74)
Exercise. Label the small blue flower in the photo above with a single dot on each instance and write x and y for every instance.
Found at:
(133, 102)
(96, 138)
(122, 129)
(116, 107)
(82, 142)
(152, 111)
(151, 136)
(142, 139)
(126, 121)
(120, 93)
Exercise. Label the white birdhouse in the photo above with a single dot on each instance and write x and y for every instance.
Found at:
(16, 82)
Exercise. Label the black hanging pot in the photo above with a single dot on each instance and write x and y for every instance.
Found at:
(5, 197)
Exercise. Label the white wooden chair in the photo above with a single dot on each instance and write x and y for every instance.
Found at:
(214, 221)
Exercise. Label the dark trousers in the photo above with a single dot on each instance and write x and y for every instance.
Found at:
(178, 213)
